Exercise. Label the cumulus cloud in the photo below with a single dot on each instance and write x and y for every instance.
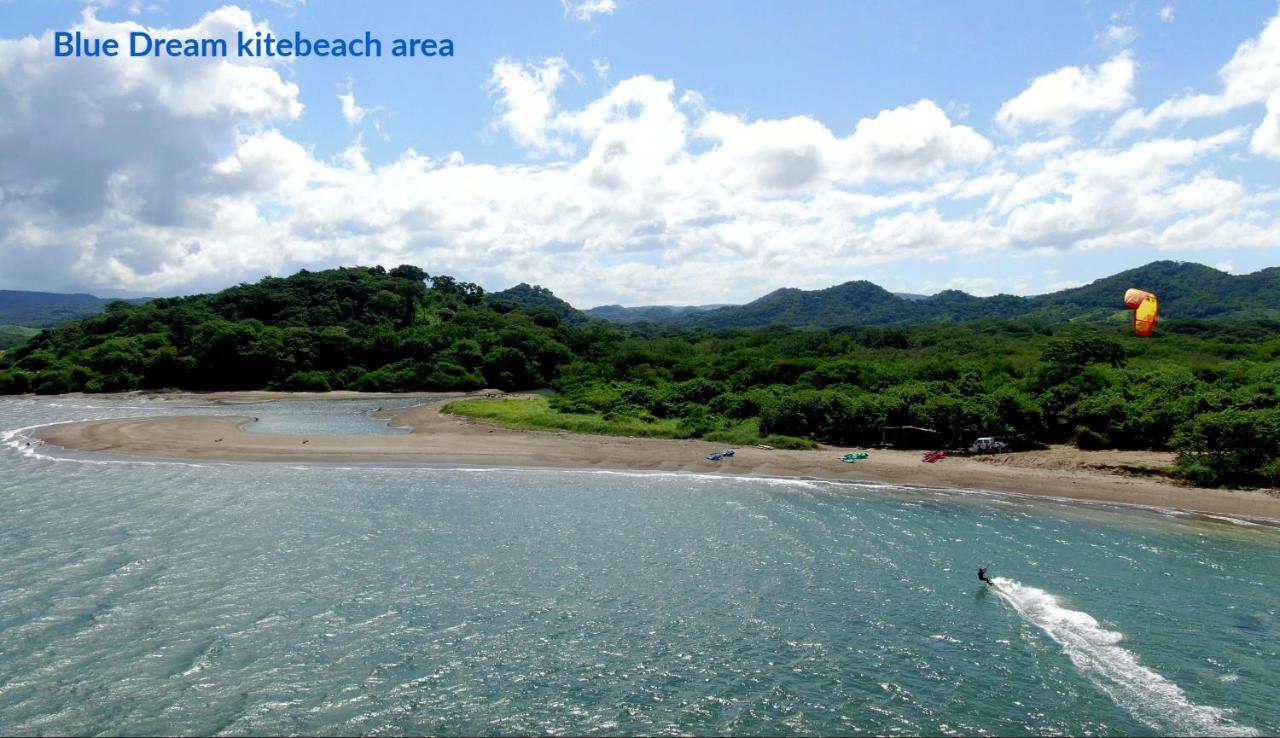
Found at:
(526, 97)
(1060, 98)
(1266, 139)
(1250, 77)
(635, 195)
(92, 150)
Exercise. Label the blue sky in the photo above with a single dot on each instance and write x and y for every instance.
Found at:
(636, 152)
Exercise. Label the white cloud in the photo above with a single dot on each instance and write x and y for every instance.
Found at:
(583, 10)
(1060, 98)
(1118, 35)
(913, 142)
(1250, 77)
(352, 112)
(92, 151)
(1266, 139)
(1033, 150)
(526, 95)
(647, 189)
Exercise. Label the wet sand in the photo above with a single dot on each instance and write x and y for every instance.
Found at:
(437, 438)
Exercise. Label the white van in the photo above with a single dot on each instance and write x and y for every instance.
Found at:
(988, 444)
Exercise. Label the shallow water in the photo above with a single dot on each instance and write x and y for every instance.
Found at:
(329, 417)
(254, 598)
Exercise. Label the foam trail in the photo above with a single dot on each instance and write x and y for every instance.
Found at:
(1096, 652)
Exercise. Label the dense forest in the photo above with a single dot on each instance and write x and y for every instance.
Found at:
(1208, 388)
(357, 328)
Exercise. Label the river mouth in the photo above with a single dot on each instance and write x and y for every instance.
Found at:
(265, 598)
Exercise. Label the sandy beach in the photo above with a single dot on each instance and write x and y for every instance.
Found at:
(437, 438)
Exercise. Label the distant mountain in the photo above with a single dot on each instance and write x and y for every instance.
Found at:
(844, 304)
(534, 297)
(1186, 290)
(648, 313)
(45, 309)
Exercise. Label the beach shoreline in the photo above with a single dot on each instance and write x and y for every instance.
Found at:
(438, 438)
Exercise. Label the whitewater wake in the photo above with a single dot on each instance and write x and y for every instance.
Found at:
(1115, 670)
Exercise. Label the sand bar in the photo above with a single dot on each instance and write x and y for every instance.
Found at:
(436, 438)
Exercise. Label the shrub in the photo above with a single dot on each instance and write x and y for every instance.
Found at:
(312, 381)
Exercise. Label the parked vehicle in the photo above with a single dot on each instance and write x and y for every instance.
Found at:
(988, 445)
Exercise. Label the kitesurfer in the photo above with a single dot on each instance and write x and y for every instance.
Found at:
(982, 574)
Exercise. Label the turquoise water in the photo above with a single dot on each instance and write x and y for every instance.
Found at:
(241, 598)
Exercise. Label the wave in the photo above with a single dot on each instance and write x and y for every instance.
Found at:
(1096, 652)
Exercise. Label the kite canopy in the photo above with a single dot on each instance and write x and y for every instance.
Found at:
(1145, 309)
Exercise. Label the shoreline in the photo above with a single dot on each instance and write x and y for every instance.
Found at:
(437, 438)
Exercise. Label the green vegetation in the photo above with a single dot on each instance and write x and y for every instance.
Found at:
(14, 335)
(1207, 388)
(539, 413)
(358, 328)
(1186, 290)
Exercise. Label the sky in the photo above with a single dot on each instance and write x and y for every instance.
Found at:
(646, 152)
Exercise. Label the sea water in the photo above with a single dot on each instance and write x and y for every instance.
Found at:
(156, 597)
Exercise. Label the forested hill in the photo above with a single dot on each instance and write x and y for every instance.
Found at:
(44, 309)
(356, 328)
(534, 297)
(648, 313)
(1186, 290)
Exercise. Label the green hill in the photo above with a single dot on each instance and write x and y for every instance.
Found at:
(1186, 290)
(534, 298)
(45, 309)
(647, 313)
(358, 328)
(844, 304)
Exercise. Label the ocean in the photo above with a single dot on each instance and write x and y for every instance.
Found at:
(146, 597)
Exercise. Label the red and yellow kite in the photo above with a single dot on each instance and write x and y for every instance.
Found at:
(1145, 309)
